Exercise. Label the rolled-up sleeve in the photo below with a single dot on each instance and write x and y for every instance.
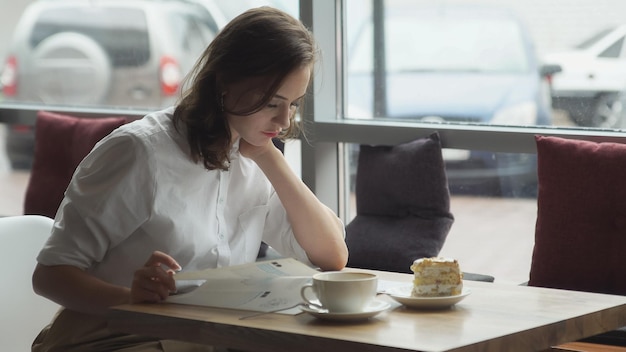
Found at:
(278, 232)
(109, 197)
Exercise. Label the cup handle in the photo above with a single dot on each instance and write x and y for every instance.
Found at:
(304, 297)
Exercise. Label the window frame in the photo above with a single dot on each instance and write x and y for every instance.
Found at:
(322, 149)
(322, 154)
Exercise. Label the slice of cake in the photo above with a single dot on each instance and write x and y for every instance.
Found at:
(436, 277)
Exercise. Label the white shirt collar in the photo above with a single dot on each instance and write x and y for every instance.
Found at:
(234, 149)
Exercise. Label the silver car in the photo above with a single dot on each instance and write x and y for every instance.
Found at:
(102, 53)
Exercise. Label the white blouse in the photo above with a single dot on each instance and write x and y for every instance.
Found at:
(139, 191)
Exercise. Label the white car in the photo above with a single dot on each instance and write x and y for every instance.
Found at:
(593, 78)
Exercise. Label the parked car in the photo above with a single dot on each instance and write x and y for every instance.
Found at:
(461, 64)
(224, 11)
(104, 53)
(593, 79)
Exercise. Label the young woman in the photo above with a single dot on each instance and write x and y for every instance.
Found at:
(195, 186)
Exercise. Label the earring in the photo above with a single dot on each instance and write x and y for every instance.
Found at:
(222, 102)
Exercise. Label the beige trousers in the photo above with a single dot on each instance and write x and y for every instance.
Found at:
(73, 332)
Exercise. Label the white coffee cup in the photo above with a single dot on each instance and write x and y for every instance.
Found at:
(341, 292)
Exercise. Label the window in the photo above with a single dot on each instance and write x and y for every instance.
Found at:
(487, 78)
(392, 92)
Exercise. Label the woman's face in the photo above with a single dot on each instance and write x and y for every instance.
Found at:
(265, 124)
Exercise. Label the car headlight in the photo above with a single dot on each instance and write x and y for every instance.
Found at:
(520, 114)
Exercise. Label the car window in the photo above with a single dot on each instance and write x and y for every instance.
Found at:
(194, 40)
(613, 51)
(208, 33)
(208, 22)
(445, 45)
(192, 35)
(122, 32)
(465, 45)
(587, 43)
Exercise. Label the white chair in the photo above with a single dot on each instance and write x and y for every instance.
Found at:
(22, 312)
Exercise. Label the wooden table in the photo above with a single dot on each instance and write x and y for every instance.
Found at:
(494, 317)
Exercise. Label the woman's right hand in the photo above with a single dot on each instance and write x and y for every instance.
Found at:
(155, 280)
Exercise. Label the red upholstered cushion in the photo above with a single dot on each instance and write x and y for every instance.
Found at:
(61, 143)
(580, 235)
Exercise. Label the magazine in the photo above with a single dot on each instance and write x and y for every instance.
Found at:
(261, 286)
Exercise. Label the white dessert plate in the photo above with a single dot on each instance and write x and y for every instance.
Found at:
(403, 295)
(373, 309)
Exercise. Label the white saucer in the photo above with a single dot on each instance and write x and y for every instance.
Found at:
(374, 308)
(403, 295)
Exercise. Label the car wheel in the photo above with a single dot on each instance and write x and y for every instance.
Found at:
(581, 113)
(608, 112)
(71, 68)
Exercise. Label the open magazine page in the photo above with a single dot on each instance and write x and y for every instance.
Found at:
(260, 286)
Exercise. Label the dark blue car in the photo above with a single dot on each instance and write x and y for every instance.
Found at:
(461, 64)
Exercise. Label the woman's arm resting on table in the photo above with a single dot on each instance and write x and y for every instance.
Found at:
(316, 227)
(78, 290)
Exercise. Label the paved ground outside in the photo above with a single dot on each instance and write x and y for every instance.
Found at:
(493, 236)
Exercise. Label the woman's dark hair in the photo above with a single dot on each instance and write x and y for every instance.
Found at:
(262, 43)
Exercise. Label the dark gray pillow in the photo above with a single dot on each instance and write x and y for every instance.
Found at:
(403, 205)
